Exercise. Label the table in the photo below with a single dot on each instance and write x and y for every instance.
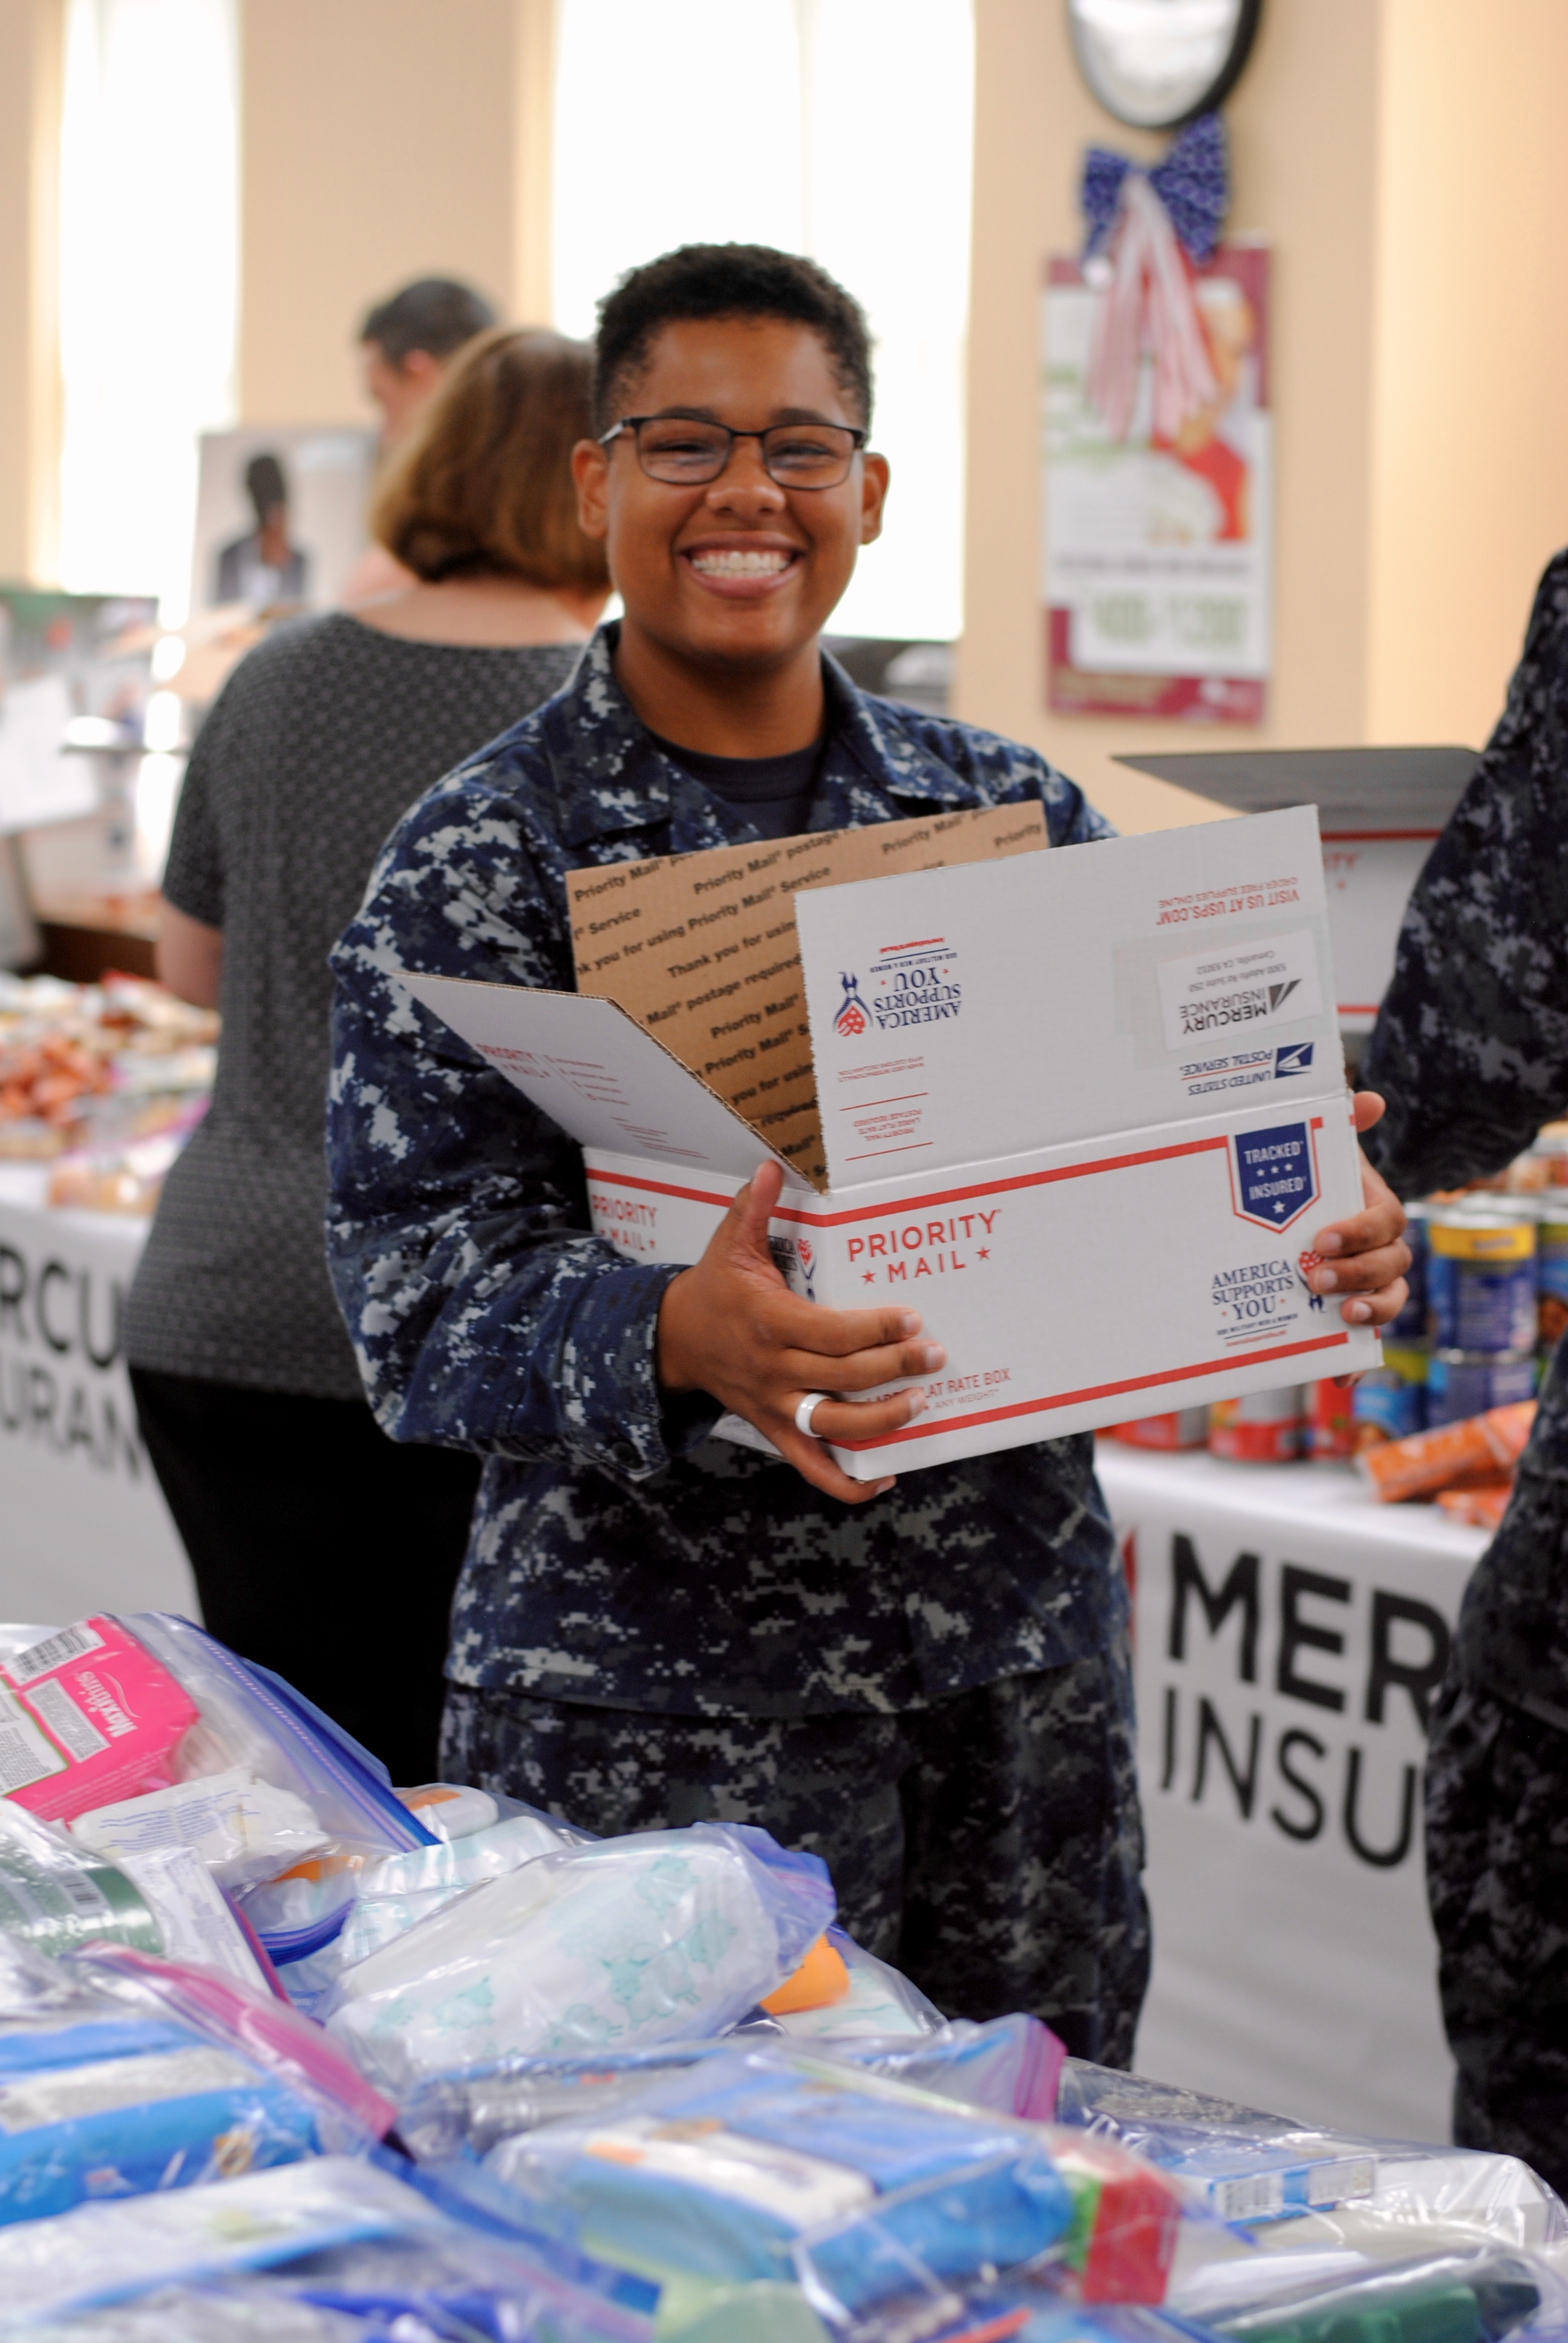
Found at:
(82, 1524)
(1289, 1633)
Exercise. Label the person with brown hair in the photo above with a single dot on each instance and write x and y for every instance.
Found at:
(321, 1548)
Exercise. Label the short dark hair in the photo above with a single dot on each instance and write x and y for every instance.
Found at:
(727, 280)
(265, 485)
(482, 487)
(436, 314)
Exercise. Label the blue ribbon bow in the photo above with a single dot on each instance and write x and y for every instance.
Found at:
(1193, 183)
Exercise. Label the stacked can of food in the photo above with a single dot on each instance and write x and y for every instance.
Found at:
(1551, 1270)
(1389, 1402)
(1182, 1427)
(1482, 1308)
(1266, 1428)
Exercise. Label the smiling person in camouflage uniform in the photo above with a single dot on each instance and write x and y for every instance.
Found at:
(925, 1683)
(1472, 1050)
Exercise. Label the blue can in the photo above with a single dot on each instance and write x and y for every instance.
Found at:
(1410, 1326)
(1389, 1403)
(1467, 1383)
(1480, 1281)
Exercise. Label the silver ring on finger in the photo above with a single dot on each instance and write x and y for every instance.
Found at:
(808, 1408)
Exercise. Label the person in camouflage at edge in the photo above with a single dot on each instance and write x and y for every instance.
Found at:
(1471, 1049)
(926, 1682)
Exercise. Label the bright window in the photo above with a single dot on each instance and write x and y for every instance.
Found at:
(837, 128)
(148, 283)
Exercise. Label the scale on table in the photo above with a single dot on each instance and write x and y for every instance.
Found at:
(1379, 812)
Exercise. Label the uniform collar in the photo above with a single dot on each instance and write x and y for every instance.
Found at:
(612, 776)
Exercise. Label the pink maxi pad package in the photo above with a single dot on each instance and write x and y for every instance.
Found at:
(87, 1717)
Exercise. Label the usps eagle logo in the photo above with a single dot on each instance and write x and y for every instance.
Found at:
(851, 1019)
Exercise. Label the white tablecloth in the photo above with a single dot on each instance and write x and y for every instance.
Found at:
(83, 1524)
(1286, 1628)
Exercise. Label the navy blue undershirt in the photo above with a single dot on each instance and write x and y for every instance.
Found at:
(774, 792)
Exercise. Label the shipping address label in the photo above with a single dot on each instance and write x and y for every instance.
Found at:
(1270, 982)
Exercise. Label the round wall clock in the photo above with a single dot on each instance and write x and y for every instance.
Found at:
(1155, 63)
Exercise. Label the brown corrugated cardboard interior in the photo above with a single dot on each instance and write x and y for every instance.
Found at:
(701, 950)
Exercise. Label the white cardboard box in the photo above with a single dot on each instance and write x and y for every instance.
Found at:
(1084, 1110)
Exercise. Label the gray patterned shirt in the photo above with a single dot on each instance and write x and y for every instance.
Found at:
(619, 1554)
(321, 739)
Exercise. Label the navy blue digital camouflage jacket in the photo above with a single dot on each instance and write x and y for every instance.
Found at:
(1470, 1047)
(621, 1555)
(1471, 1052)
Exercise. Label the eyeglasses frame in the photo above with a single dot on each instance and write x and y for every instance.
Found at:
(632, 422)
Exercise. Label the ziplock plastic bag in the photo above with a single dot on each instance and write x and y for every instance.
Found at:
(636, 1941)
(397, 1891)
(470, 2112)
(368, 1903)
(250, 1718)
(1365, 2195)
(350, 2113)
(295, 2223)
(99, 2099)
(1012, 2065)
(876, 1999)
(1475, 2297)
(236, 2313)
(1248, 2166)
(772, 2165)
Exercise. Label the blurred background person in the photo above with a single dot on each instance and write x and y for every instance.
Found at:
(1471, 1052)
(405, 346)
(408, 342)
(320, 1548)
(263, 567)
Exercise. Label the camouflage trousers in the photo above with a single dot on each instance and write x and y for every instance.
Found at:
(989, 1845)
(1497, 1823)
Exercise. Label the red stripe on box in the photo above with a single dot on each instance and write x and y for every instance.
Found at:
(925, 1430)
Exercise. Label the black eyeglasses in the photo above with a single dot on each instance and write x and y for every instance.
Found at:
(684, 452)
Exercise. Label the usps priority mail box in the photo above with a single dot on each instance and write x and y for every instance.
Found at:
(1082, 1109)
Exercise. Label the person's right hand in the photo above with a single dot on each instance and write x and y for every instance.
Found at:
(730, 1326)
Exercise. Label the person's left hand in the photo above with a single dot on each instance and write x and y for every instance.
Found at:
(1365, 1257)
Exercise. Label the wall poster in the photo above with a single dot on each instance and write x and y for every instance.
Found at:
(1158, 543)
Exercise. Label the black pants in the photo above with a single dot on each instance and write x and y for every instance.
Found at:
(989, 1845)
(321, 1548)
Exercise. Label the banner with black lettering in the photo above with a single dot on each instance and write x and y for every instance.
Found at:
(1290, 1635)
(85, 1523)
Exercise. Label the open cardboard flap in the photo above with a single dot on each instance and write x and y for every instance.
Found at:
(592, 1069)
(702, 949)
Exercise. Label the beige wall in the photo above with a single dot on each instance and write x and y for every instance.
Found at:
(1404, 160)
(1471, 410)
(31, 60)
(382, 140)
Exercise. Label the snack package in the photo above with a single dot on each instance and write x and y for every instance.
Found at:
(87, 1716)
(631, 1941)
(772, 2165)
(1480, 1508)
(243, 1829)
(1477, 1447)
(99, 2098)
